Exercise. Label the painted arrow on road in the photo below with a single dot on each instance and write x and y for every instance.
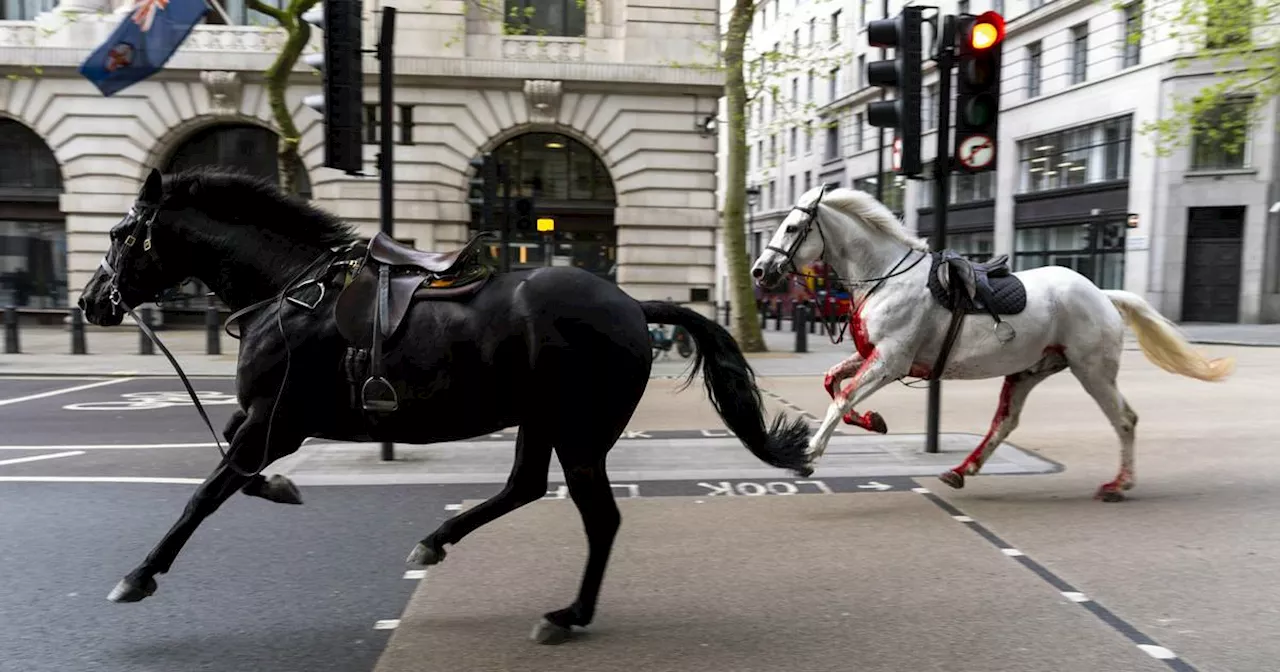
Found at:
(876, 485)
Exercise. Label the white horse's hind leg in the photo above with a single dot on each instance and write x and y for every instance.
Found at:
(1012, 398)
(870, 421)
(875, 373)
(1101, 385)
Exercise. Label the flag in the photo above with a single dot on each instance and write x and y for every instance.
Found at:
(142, 43)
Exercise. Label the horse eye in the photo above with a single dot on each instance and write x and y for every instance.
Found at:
(791, 228)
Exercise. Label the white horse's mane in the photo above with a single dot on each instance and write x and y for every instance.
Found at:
(864, 207)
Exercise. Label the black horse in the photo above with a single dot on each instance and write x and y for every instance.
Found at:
(557, 351)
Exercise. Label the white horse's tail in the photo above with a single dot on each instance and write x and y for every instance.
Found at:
(1162, 342)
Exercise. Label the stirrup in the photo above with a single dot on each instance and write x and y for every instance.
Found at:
(378, 395)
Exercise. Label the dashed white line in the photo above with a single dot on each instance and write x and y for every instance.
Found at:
(1074, 596)
(1011, 552)
(1156, 651)
(452, 507)
(963, 519)
(387, 624)
(37, 458)
(415, 574)
(100, 479)
(64, 390)
(920, 490)
(108, 446)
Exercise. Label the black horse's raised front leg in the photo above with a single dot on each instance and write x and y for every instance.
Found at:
(248, 446)
(274, 489)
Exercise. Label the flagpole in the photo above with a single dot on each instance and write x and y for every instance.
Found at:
(217, 7)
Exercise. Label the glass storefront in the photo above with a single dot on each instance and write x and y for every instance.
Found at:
(33, 238)
(1095, 250)
(1089, 154)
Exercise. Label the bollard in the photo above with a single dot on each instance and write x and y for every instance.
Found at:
(764, 314)
(11, 331)
(213, 342)
(728, 314)
(145, 346)
(77, 332)
(777, 315)
(794, 306)
(813, 324)
(800, 317)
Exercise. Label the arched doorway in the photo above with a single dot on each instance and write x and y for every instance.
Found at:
(33, 232)
(566, 182)
(249, 148)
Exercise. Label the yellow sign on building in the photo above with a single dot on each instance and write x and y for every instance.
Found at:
(546, 224)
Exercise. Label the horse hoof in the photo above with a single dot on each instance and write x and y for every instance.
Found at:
(421, 555)
(876, 423)
(131, 591)
(546, 632)
(1110, 496)
(954, 479)
(281, 490)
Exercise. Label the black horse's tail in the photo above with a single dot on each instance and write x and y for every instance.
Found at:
(730, 384)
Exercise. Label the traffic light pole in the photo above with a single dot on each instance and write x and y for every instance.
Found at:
(941, 192)
(504, 233)
(386, 131)
(884, 53)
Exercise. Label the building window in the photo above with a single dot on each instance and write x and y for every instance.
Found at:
(1079, 53)
(27, 10)
(1094, 249)
(929, 111)
(862, 13)
(813, 31)
(808, 137)
(1228, 23)
(809, 90)
(1033, 70)
(406, 124)
(970, 188)
(858, 132)
(773, 194)
(833, 84)
(861, 73)
(791, 188)
(795, 142)
(1220, 137)
(808, 180)
(1133, 34)
(773, 147)
(759, 153)
(831, 151)
(895, 189)
(546, 18)
(795, 42)
(963, 7)
(835, 27)
(973, 245)
(1083, 155)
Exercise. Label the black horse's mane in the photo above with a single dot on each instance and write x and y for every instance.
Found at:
(232, 196)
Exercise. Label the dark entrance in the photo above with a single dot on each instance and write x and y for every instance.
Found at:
(1211, 284)
(33, 232)
(562, 180)
(244, 147)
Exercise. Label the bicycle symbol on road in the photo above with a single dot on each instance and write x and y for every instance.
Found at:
(143, 401)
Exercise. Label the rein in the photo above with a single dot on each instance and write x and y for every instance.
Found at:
(118, 301)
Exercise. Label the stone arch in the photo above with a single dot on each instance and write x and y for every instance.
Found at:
(203, 129)
(508, 134)
(554, 175)
(33, 231)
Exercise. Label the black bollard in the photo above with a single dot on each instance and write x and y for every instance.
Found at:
(213, 341)
(795, 305)
(11, 345)
(813, 324)
(145, 346)
(777, 315)
(77, 332)
(728, 314)
(800, 317)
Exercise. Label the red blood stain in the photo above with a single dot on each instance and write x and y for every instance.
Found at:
(1055, 350)
(1002, 414)
(920, 370)
(860, 340)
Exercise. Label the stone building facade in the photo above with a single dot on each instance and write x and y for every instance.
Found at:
(604, 112)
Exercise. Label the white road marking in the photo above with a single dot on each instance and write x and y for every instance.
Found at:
(1011, 552)
(119, 446)
(1157, 651)
(387, 624)
(100, 479)
(923, 491)
(65, 390)
(452, 507)
(963, 519)
(415, 574)
(37, 458)
(1074, 596)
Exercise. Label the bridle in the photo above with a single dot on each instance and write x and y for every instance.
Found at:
(143, 231)
(829, 326)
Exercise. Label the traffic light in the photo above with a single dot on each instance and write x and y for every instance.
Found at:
(341, 70)
(902, 33)
(979, 51)
(525, 213)
(483, 187)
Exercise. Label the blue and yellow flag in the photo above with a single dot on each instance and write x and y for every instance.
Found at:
(142, 43)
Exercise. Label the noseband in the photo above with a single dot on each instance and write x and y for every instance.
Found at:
(789, 255)
(141, 230)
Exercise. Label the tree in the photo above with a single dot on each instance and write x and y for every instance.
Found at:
(750, 73)
(1217, 38)
(297, 34)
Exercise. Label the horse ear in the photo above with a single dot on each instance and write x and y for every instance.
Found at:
(152, 189)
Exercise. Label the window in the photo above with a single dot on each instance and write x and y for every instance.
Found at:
(794, 142)
(1079, 52)
(808, 180)
(929, 109)
(1220, 136)
(795, 91)
(773, 147)
(895, 187)
(759, 153)
(831, 151)
(813, 31)
(808, 137)
(970, 188)
(795, 41)
(773, 193)
(406, 124)
(861, 73)
(791, 188)
(835, 27)
(27, 10)
(862, 13)
(833, 84)
(1132, 34)
(558, 18)
(1228, 23)
(1083, 155)
(858, 132)
(963, 7)
(809, 94)
(1095, 249)
(973, 245)
(1033, 70)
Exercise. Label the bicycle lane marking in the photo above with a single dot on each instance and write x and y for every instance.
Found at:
(37, 458)
(63, 390)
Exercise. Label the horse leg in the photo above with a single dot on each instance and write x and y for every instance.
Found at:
(874, 373)
(247, 450)
(1100, 383)
(1012, 398)
(871, 420)
(591, 493)
(275, 489)
(527, 483)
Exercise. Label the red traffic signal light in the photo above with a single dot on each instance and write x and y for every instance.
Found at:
(985, 32)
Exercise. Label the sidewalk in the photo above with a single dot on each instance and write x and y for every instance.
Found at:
(114, 351)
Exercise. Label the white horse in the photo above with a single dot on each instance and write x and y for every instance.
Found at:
(901, 328)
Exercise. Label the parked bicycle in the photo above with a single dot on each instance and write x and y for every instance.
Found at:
(661, 342)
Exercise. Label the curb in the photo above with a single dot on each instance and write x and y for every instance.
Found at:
(1242, 344)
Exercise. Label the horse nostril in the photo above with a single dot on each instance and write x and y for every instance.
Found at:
(757, 272)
